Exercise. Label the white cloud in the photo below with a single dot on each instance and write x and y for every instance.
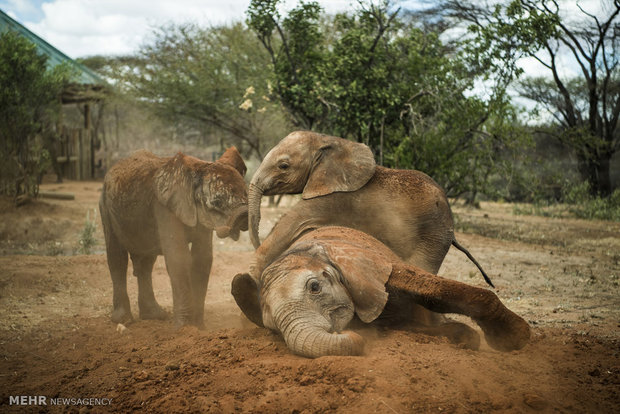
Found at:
(20, 7)
(114, 27)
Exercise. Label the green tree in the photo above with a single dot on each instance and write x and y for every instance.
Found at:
(585, 105)
(205, 79)
(29, 106)
(295, 45)
(362, 70)
(378, 78)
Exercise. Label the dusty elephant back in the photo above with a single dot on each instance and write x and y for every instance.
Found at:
(409, 212)
(132, 178)
(394, 179)
(356, 240)
(342, 186)
(127, 201)
(405, 210)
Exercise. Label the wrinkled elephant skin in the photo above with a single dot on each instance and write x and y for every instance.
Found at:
(154, 206)
(342, 186)
(312, 291)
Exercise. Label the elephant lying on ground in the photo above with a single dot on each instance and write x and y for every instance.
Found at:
(313, 290)
(342, 186)
(152, 206)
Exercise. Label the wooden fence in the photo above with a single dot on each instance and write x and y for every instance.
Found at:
(76, 154)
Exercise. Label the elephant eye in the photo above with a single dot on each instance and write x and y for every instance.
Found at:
(314, 286)
(283, 166)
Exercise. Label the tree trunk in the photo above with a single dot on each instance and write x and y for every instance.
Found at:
(594, 168)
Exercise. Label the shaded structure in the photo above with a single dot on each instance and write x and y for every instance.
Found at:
(73, 153)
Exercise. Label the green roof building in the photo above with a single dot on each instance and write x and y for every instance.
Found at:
(86, 81)
(74, 151)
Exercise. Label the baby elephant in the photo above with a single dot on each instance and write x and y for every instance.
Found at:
(152, 206)
(313, 290)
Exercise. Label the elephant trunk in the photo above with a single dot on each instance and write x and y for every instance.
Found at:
(305, 337)
(255, 196)
(237, 222)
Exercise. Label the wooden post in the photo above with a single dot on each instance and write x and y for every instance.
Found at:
(86, 166)
(80, 153)
(86, 116)
(75, 153)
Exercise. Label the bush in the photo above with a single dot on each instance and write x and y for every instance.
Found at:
(87, 236)
(583, 205)
(29, 109)
(575, 200)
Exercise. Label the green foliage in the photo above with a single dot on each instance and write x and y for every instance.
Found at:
(295, 46)
(363, 69)
(511, 32)
(54, 248)
(379, 79)
(582, 204)
(205, 79)
(29, 105)
(583, 104)
(87, 236)
(589, 147)
(576, 200)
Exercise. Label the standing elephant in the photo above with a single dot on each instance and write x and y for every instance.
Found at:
(152, 206)
(313, 290)
(341, 185)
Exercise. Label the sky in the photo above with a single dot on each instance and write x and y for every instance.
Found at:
(81, 28)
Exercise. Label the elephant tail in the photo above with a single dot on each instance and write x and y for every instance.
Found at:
(474, 261)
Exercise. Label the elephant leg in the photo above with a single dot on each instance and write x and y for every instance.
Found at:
(178, 267)
(118, 259)
(503, 329)
(431, 243)
(176, 252)
(143, 269)
(428, 258)
(202, 258)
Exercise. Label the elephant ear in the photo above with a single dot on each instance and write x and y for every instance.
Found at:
(174, 188)
(232, 157)
(364, 264)
(339, 165)
(245, 291)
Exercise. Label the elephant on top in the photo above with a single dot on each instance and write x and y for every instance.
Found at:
(342, 186)
(152, 206)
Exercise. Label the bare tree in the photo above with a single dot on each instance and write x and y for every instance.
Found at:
(586, 105)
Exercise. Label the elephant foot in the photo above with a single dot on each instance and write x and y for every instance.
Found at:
(183, 322)
(186, 317)
(152, 311)
(121, 315)
(198, 320)
(509, 332)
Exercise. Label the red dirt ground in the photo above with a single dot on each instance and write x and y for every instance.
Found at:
(57, 341)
